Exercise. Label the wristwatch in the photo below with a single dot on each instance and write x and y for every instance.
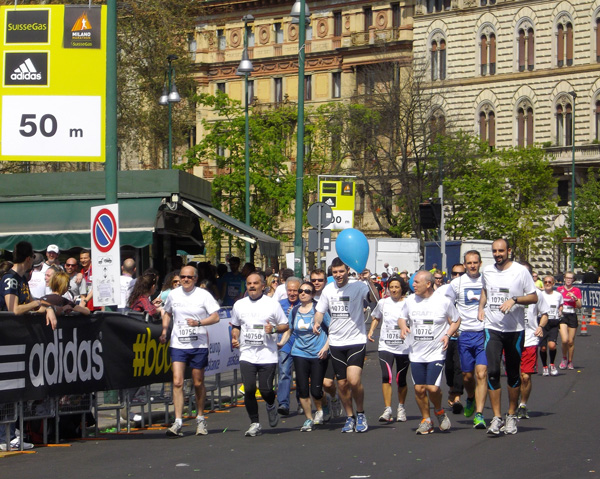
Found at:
(514, 298)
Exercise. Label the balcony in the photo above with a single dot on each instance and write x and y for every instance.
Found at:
(376, 37)
(584, 155)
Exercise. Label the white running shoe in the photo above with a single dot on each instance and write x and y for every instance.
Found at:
(387, 415)
(318, 418)
(401, 413)
(201, 429)
(174, 430)
(254, 430)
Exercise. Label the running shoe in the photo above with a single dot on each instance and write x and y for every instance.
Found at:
(444, 420)
(15, 445)
(522, 412)
(201, 427)
(387, 415)
(510, 426)
(283, 411)
(273, 416)
(300, 410)
(457, 407)
(254, 430)
(553, 370)
(469, 407)
(336, 407)
(496, 425)
(174, 430)
(545, 370)
(326, 410)
(361, 423)
(318, 417)
(349, 426)
(401, 413)
(570, 365)
(479, 421)
(426, 427)
(307, 426)
(563, 364)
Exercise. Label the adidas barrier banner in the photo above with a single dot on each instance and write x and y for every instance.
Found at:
(53, 88)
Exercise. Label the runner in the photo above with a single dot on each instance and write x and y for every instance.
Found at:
(568, 322)
(555, 302)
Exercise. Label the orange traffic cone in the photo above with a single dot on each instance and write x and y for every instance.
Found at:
(593, 321)
(584, 331)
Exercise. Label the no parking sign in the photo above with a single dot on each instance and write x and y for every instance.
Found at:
(106, 255)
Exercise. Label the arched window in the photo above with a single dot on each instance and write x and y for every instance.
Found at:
(598, 40)
(564, 121)
(564, 41)
(526, 46)
(487, 125)
(438, 58)
(487, 47)
(525, 124)
(437, 125)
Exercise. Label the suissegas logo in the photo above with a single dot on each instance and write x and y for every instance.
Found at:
(65, 362)
(27, 26)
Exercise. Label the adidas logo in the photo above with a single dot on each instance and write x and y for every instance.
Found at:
(26, 71)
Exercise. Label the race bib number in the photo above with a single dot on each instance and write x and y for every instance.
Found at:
(392, 337)
(424, 330)
(553, 313)
(185, 333)
(340, 307)
(497, 297)
(255, 336)
(568, 309)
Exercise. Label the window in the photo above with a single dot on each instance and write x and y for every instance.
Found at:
(564, 41)
(368, 17)
(487, 48)
(487, 2)
(597, 118)
(309, 33)
(564, 121)
(278, 83)
(598, 40)
(396, 15)
(336, 80)
(438, 59)
(526, 46)
(438, 5)
(250, 35)
(337, 24)
(221, 40)
(487, 125)
(563, 192)
(525, 124)
(308, 87)
(221, 87)
(437, 125)
(250, 92)
(278, 33)
(221, 151)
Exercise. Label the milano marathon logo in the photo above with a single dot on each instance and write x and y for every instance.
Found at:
(26, 69)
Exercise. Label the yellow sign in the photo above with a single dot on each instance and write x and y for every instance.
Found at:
(340, 195)
(53, 89)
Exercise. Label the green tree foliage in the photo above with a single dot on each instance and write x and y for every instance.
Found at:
(587, 220)
(502, 193)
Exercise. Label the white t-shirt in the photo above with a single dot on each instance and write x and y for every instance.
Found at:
(555, 301)
(256, 346)
(198, 304)
(428, 323)
(280, 293)
(532, 312)
(345, 306)
(125, 291)
(500, 286)
(37, 284)
(388, 312)
(465, 292)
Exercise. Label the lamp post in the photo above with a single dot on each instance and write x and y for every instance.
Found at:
(169, 96)
(574, 95)
(299, 13)
(244, 69)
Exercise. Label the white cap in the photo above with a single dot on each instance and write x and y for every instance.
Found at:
(52, 248)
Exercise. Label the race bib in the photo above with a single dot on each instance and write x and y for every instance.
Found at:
(185, 333)
(424, 330)
(340, 307)
(568, 309)
(255, 336)
(392, 337)
(497, 297)
(553, 313)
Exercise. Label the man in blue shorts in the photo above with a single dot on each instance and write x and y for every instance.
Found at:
(192, 309)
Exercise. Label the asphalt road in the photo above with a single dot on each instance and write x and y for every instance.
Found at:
(559, 440)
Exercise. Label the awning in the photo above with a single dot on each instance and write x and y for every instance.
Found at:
(269, 246)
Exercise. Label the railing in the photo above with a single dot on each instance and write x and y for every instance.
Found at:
(564, 154)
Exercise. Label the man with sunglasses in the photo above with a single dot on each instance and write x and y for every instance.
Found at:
(465, 291)
(77, 290)
(192, 309)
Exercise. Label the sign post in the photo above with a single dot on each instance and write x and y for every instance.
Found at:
(106, 255)
(340, 196)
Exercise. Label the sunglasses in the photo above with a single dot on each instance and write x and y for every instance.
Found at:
(70, 264)
(183, 276)
(176, 281)
(548, 282)
(306, 291)
(438, 277)
(456, 273)
(317, 280)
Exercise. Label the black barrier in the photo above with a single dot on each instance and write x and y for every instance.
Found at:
(83, 355)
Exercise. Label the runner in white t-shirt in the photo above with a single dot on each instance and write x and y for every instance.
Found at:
(345, 301)
(191, 309)
(507, 288)
(392, 347)
(555, 301)
(429, 319)
(256, 319)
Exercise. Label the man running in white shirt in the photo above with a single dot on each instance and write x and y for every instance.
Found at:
(345, 302)
(507, 288)
(191, 309)
(256, 319)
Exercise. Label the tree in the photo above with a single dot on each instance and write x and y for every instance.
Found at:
(587, 220)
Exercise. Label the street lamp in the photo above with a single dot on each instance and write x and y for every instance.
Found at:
(299, 15)
(574, 95)
(169, 96)
(244, 69)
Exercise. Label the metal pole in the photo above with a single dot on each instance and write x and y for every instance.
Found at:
(247, 150)
(574, 95)
(442, 221)
(300, 150)
(170, 151)
(110, 166)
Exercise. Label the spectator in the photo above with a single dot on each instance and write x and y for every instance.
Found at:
(172, 281)
(139, 300)
(37, 284)
(77, 289)
(59, 285)
(127, 271)
(52, 253)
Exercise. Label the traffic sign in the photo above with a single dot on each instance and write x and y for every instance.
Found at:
(104, 230)
(106, 255)
(340, 196)
(572, 239)
(319, 215)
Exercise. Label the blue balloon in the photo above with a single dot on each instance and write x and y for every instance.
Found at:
(353, 248)
(411, 281)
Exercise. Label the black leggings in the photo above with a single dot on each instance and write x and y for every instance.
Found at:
(386, 361)
(512, 343)
(266, 375)
(313, 369)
